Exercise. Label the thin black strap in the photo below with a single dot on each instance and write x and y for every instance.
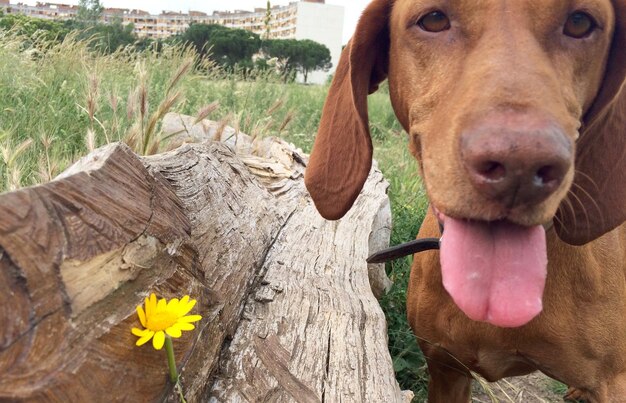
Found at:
(405, 249)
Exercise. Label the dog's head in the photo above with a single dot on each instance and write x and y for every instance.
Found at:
(515, 112)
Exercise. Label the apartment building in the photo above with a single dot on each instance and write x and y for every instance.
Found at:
(46, 11)
(297, 20)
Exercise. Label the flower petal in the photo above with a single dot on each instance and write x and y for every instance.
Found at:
(147, 306)
(189, 319)
(139, 332)
(172, 305)
(151, 305)
(144, 339)
(159, 340)
(161, 305)
(184, 309)
(142, 315)
(174, 332)
(183, 301)
(183, 326)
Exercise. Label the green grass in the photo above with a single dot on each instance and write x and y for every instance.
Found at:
(59, 101)
(558, 388)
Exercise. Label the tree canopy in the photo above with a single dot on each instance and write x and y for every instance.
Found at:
(112, 36)
(229, 47)
(89, 11)
(302, 56)
(314, 56)
(236, 47)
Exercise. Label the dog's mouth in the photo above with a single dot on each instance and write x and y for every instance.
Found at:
(494, 271)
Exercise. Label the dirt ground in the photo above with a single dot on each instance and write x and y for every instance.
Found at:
(533, 388)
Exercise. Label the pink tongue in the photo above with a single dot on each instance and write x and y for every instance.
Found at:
(495, 272)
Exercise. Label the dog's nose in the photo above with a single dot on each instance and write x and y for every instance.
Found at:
(516, 167)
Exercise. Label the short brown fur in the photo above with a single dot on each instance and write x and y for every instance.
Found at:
(506, 62)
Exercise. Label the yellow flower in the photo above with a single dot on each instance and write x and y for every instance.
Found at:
(164, 317)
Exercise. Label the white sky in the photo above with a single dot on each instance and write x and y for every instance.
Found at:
(352, 8)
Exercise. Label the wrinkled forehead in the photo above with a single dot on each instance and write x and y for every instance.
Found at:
(479, 14)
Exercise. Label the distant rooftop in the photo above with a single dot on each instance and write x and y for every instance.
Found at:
(261, 9)
(126, 11)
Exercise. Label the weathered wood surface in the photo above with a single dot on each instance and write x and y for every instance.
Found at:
(78, 254)
(273, 160)
(313, 331)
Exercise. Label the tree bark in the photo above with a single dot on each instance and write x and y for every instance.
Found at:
(288, 313)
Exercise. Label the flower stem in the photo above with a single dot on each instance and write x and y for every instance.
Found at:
(171, 362)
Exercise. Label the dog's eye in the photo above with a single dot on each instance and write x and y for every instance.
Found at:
(435, 21)
(579, 25)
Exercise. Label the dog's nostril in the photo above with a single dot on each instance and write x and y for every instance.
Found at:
(546, 176)
(492, 170)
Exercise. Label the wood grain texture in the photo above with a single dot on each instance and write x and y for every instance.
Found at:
(313, 318)
(288, 312)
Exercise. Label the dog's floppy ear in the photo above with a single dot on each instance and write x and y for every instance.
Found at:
(342, 153)
(597, 203)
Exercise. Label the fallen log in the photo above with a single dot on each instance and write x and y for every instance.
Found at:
(288, 312)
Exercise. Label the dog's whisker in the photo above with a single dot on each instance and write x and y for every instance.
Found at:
(568, 203)
(583, 208)
(561, 224)
(589, 178)
(592, 200)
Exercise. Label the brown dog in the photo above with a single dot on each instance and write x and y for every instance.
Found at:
(516, 113)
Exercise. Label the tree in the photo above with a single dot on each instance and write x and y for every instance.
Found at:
(89, 11)
(106, 38)
(302, 56)
(313, 56)
(285, 51)
(229, 47)
(110, 37)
